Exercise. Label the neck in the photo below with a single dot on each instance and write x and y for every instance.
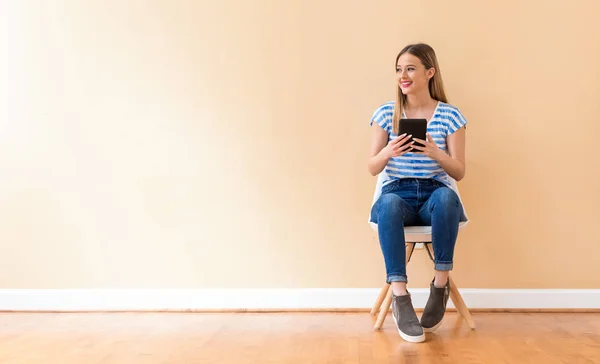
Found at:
(419, 101)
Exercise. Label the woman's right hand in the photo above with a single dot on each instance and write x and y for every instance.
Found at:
(397, 147)
(383, 150)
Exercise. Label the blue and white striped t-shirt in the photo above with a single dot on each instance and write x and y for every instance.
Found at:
(446, 120)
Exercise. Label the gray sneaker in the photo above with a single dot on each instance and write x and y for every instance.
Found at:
(406, 319)
(435, 307)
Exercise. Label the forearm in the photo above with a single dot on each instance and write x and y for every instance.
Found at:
(454, 167)
(377, 163)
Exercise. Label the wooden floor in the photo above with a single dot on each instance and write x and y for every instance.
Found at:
(138, 338)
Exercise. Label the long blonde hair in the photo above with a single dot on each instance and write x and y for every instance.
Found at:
(436, 86)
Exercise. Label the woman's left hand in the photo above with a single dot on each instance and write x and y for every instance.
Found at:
(428, 148)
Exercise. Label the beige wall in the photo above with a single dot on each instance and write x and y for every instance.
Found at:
(224, 143)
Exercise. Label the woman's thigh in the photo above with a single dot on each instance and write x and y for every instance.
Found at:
(444, 200)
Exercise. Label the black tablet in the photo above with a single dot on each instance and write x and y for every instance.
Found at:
(416, 127)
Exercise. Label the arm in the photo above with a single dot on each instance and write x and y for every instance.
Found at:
(377, 160)
(382, 151)
(454, 163)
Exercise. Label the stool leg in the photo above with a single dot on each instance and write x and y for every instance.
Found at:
(456, 297)
(384, 309)
(387, 302)
(460, 305)
(380, 298)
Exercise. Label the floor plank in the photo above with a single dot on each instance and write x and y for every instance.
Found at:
(264, 338)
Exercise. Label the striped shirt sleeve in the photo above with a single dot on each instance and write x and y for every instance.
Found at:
(383, 117)
(456, 121)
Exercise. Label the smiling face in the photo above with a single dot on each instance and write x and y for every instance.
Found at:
(418, 77)
(413, 77)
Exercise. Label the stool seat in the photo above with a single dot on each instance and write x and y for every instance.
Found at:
(422, 234)
(419, 234)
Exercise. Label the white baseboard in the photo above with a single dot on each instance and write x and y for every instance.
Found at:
(277, 299)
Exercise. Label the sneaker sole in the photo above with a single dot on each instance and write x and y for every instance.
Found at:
(412, 339)
(432, 329)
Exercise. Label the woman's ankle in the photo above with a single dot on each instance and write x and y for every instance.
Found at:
(441, 278)
(399, 288)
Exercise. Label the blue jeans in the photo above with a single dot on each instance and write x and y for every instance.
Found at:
(416, 202)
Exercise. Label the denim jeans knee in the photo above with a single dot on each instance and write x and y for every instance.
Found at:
(443, 211)
(390, 213)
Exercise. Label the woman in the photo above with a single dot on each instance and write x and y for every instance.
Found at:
(416, 190)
